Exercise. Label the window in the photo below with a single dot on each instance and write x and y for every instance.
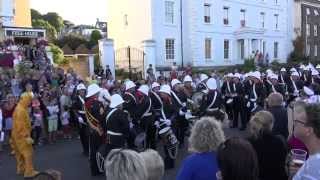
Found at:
(262, 16)
(226, 49)
(308, 30)
(243, 18)
(241, 43)
(207, 15)
(169, 49)
(315, 50)
(316, 12)
(225, 15)
(315, 30)
(275, 50)
(308, 11)
(276, 2)
(169, 12)
(276, 20)
(308, 50)
(207, 47)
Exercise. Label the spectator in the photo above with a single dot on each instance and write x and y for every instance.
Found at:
(280, 114)
(123, 164)
(206, 136)
(154, 164)
(7, 113)
(271, 149)
(237, 160)
(48, 175)
(53, 109)
(307, 128)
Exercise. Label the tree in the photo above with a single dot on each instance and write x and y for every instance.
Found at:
(50, 30)
(35, 14)
(297, 55)
(55, 20)
(58, 57)
(72, 40)
(94, 38)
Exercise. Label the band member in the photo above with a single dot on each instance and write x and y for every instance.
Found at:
(117, 124)
(238, 102)
(130, 105)
(315, 79)
(169, 111)
(283, 77)
(306, 76)
(180, 103)
(80, 114)
(188, 89)
(257, 93)
(273, 85)
(212, 102)
(144, 114)
(295, 85)
(202, 85)
(227, 95)
(95, 115)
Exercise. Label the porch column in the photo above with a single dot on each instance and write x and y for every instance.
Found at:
(149, 48)
(106, 49)
(91, 64)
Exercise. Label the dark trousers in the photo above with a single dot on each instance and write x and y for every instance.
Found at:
(150, 130)
(182, 126)
(239, 109)
(36, 133)
(169, 162)
(95, 141)
(84, 138)
(229, 110)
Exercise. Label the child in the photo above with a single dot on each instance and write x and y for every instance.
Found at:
(37, 118)
(65, 123)
(53, 109)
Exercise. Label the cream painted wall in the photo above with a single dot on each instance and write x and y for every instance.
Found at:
(22, 16)
(139, 22)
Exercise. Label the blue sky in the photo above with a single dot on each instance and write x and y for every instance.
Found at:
(76, 11)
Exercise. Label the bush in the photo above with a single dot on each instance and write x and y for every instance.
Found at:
(58, 57)
(249, 65)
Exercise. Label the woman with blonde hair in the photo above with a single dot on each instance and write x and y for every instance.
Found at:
(206, 136)
(271, 149)
(154, 164)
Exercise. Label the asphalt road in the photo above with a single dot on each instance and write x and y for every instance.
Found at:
(65, 156)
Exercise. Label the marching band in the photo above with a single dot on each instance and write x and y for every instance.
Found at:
(144, 115)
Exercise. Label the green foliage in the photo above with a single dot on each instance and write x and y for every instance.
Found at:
(297, 56)
(72, 40)
(94, 38)
(249, 65)
(50, 30)
(55, 20)
(58, 57)
(35, 14)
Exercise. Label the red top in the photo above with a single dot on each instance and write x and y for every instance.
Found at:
(8, 113)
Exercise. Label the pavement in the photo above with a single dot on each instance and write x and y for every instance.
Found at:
(65, 156)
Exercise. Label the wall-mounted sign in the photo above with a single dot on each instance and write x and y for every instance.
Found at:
(24, 33)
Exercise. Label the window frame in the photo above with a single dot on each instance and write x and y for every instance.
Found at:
(207, 13)
(208, 48)
(226, 51)
(170, 49)
(169, 14)
(226, 16)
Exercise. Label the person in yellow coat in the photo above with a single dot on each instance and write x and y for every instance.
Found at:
(21, 136)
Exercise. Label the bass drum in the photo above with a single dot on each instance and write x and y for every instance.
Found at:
(197, 100)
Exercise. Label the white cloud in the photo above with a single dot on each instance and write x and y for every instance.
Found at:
(76, 11)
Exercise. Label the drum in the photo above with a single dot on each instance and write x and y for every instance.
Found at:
(170, 140)
(196, 102)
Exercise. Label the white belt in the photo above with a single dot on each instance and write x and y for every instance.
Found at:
(81, 112)
(213, 109)
(147, 114)
(114, 133)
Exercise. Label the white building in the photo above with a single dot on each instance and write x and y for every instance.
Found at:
(203, 32)
(6, 12)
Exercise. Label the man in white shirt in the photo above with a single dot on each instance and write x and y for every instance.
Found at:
(307, 129)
